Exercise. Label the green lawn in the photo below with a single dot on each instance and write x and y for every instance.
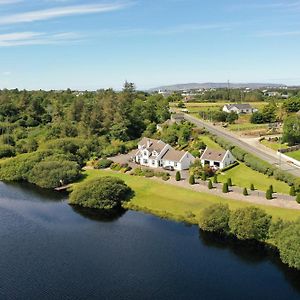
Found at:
(243, 176)
(294, 154)
(174, 202)
(274, 145)
(209, 142)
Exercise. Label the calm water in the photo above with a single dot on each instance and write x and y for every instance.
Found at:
(51, 251)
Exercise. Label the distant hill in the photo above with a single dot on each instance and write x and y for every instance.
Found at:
(212, 85)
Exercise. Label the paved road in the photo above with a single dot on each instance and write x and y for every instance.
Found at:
(235, 140)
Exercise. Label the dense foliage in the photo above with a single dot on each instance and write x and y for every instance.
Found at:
(71, 127)
(288, 244)
(100, 193)
(250, 223)
(215, 218)
(51, 174)
(291, 130)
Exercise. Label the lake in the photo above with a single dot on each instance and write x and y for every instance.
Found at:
(49, 250)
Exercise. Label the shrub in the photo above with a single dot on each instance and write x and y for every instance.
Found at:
(298, 198)
(138, 172)
(215, 178)
(6, 151)
(116, 166)
(292, 191)
(148, 173)
(192, 179)
(215, 218)
(209, 185)
(271, 189)
(245, 192)
(250, 223)
(166, 176)
(178, 176)
(101, 193)
(103, 163)
(252, 188)
(288, 244)
(51, 174)
(269, 195)
(203, 176)
(18, 168)
(229, 182)
(225, 188)
(236, 163)
(276, 229)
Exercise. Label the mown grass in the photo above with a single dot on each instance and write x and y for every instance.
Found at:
(209, 142)
(294, 154)
(176, 203)
(274, 145)
(243, 176)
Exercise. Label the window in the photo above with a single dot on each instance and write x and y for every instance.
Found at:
(175, 164)
(145, 161)
(153, 162)
(145, 153)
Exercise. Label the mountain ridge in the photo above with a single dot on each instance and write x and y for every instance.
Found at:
(216, 85)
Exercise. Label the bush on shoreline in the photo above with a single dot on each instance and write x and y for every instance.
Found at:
(101, 193)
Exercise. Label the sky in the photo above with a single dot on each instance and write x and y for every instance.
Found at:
(93, 44)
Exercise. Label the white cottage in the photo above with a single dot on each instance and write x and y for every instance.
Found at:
(217, 159)
(157, 154)
(239, 108)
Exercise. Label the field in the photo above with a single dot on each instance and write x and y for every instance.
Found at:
(294, 154)
(174, 202)
(243, 176)
(274, 145)
(209, 142)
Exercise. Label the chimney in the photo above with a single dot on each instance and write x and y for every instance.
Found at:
(148, 143)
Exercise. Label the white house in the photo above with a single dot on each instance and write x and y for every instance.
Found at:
(157, 154)
(239, 108)
(216, 158)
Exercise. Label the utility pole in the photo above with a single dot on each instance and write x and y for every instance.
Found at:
(228, 91)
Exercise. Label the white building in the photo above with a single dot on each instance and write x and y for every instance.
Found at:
(157, 154)
(239, 108)
(217, 159)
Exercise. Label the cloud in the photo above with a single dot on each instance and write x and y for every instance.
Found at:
(3, 2)
(59, 12)
(278, 33)
(268, 5)
(180, 29)
(37, 38)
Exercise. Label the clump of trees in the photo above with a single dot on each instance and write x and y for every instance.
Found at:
(254, 224)
(291, 130)
(215, 218)
(267, 115)
(72, 128)
(219, 116)
(104, 193)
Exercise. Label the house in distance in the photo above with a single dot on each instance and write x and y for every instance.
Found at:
(157, 154)
(239, 108)
(217, 159)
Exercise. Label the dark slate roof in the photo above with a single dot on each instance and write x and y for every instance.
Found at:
(213, 155)
(240, 106)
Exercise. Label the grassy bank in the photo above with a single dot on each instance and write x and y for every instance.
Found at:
(294, 154)
(177, 203)
(243, 176)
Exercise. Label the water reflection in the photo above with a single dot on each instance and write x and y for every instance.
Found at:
(99, 215)
(29, 192)
(251, 253)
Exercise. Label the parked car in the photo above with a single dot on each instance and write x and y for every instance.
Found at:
(169, 168)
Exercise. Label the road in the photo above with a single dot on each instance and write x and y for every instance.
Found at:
(264, 154)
